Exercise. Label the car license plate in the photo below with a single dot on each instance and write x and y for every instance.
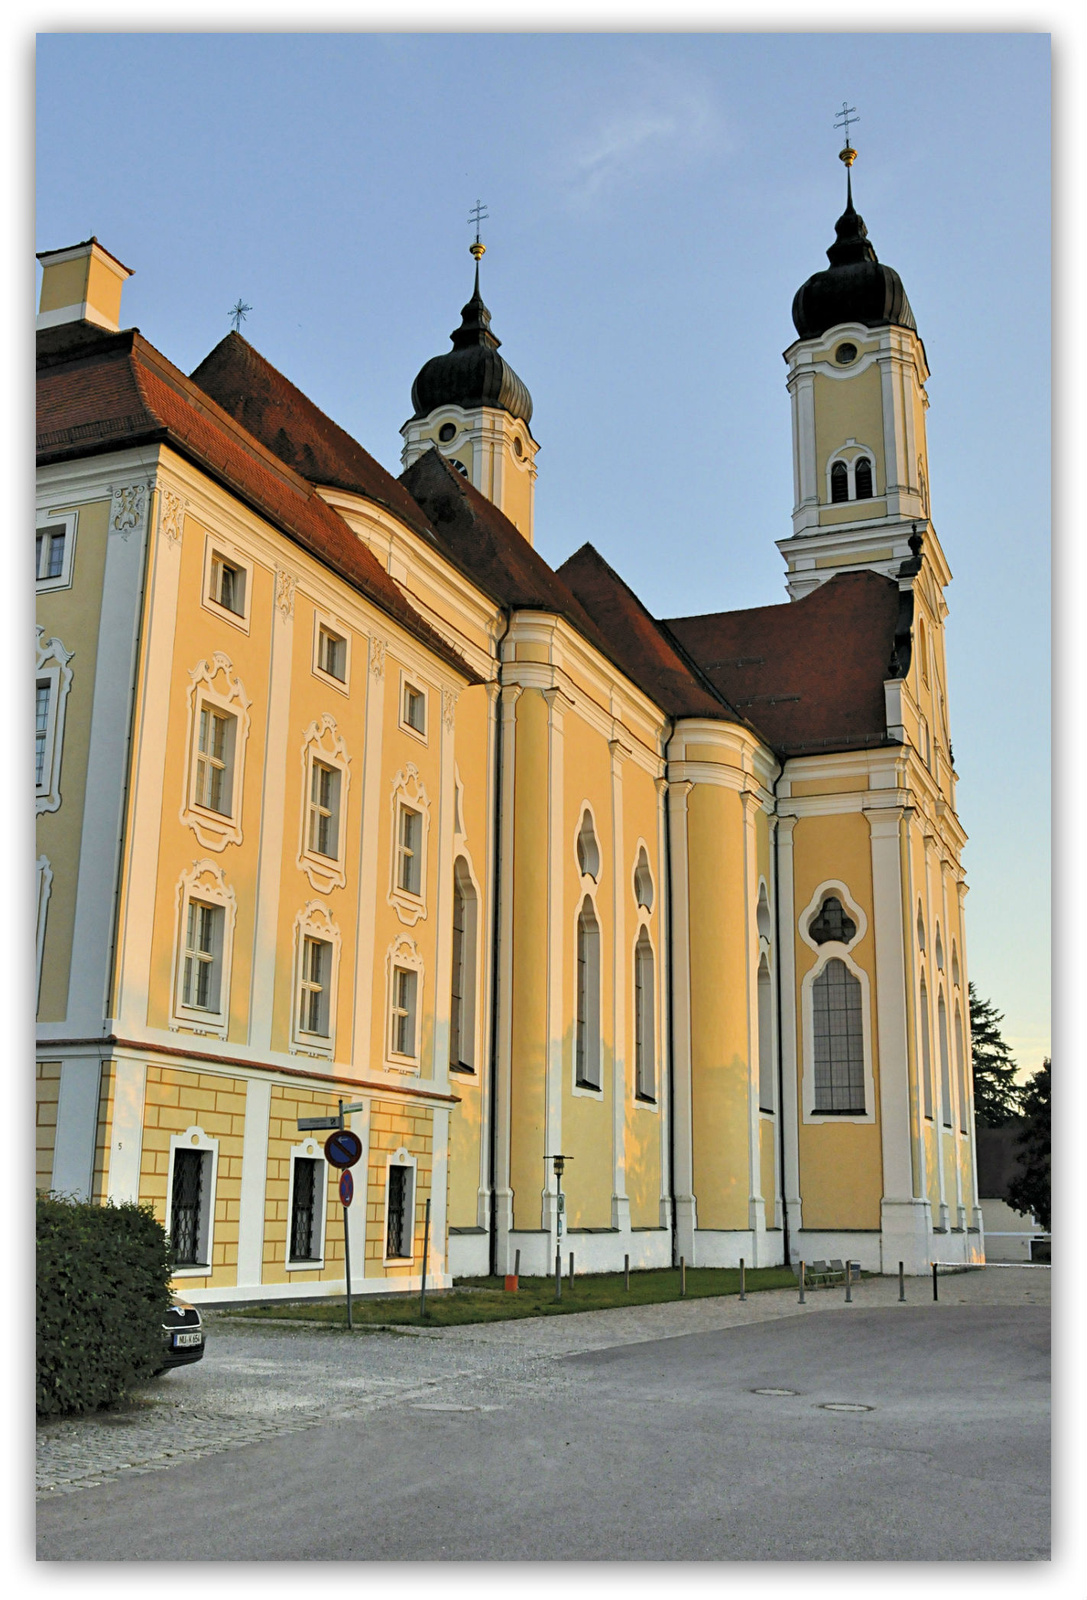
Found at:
(185, 1340)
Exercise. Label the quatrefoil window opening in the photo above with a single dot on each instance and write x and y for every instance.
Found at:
(832, 923)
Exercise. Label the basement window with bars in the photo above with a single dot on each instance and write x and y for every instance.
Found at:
(399, 1208)
(307, 1196)
(839, 1040)
(190, 1203)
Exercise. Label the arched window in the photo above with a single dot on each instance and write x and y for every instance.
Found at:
(766, 1038)
(939, 949)
(926, 1050)
(839, 1040)
(920, 928)
(954, 964)
(839, 482)
(945, 1062)
(960, 1068)
(463, 984)
(645, 1066)
(862, 479)
(587, 1037)
(832, 923)
(588, 851)
(643, 881)
(762, 916)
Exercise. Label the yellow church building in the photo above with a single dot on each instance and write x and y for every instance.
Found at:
(344, 794)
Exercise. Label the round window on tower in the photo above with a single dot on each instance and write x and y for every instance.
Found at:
(461, 468)
(845, 354)
(518, 447)
(446, 432)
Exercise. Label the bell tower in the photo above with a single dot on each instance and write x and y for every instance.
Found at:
(856, 379)
(472, 407)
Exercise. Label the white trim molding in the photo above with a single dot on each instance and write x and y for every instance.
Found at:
(50, 520)
(408, 794)
(52, 669)
(308, 1150)
(194, 1138)
(315, 921)
(323, 745)
(403, 955)
(205, 883)
(400, 1158)
(214, 684)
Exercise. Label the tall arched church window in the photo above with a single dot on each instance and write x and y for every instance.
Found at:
(839, 482)
(832, 923)
(862, 479)
(945, 1062)
(920, 928)
(960, 1072)
(839, 1040)
(645, 1066)
(463, 988)
(766, 1039)
(588, 851)
(643, 881)
(926, 1050)
(587, 1034)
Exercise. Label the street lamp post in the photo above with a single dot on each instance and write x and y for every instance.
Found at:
(558, 1163)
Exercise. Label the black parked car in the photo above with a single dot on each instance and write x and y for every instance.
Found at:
(182, 1336)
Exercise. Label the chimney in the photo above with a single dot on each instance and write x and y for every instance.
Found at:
(81, 284)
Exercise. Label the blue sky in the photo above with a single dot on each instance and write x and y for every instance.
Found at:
(655, 200)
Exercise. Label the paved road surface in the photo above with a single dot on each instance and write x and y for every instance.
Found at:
(613, 1435)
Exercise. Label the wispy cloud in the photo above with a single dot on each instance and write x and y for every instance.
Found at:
(655, 128)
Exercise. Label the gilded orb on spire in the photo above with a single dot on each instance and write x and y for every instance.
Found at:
(477, 248)
(847, 115)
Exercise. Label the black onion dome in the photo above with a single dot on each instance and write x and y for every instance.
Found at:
(856, 287)
(472, 373)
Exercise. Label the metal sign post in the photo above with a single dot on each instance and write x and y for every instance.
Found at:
(343, 1148)
(426, 1242)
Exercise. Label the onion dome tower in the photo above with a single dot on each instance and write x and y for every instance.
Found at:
(856, 379)
(471, 406)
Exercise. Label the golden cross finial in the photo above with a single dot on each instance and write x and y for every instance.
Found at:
(846, 116)
(477, 215)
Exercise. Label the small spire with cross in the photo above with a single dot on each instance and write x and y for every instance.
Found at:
(845, 118)
(238, 314)
(477, 215)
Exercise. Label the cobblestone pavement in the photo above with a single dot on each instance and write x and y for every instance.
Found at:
(265, 1380)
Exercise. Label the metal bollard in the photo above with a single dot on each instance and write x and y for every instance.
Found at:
(901, 1281)
(571, 1266)
(682, 1277)
(558, 1272)
(626, 1273)
(517, 1264)
(849, 1283)
(801, 1281)
(743, 1280)
(935, 1291)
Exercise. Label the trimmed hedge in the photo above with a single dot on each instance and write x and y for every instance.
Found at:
(103, 1287)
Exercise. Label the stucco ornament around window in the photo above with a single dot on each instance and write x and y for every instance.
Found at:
(326, 778)
(215, 753)
(410, 831)
(53, 678)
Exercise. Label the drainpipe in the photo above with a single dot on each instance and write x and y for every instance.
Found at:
(492, 1153)
(780, 1053)
(669, 977)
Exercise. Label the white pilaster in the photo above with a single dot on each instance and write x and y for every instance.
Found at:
(785, 966)
(363, 1014)
(273, 802)
(126, 1131)
(77, 1126)
(682, 1110)
(443, 905)
(258, 1102)
(620, 1202)
(756, 1201)
(556, 877)
(503, 1063)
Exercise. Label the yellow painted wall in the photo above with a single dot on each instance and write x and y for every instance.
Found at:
(529, 1008)
(849, 408)
(73, 616)
(643, 1123)
(288, 1103)
(719, 1046)
(47, 1093)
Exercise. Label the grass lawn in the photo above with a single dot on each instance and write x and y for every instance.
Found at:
(485, 1299)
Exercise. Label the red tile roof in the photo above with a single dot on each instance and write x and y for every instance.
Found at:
(648, 657)
(809, 674)
(117, 390)
(288, 424)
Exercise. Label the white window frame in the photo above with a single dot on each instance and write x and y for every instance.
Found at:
(51, 666)
(206, 883)
(324, 623)
(408, 792)
(194, 1138)
(308, 1150)
(323, 745)
(404, 1159)
(590, 879)
(45, 885)
(217, 549)
(403, 956)
(831, 950)
(409, 683)
(46, 519)
(850, 453)
(315, 921)
(594, 1007)
(642, 866)
(213, 684)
